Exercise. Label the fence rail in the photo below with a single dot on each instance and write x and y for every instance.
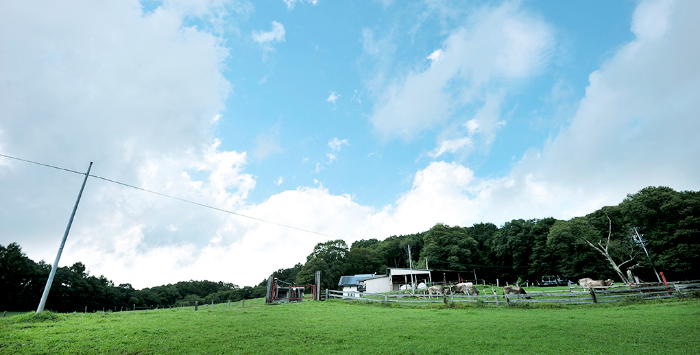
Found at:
(594, 295)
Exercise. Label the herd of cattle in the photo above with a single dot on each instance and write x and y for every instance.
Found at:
(468, 288)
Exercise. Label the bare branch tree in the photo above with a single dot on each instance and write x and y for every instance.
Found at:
(605, 251)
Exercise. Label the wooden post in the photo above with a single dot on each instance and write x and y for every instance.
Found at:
(4, 314)
(134, 307)
(196, 305)
(494, 295)
(444, 298)
(386, 298)
(497, 285)
(229, 304)
(326, 294)
(85, 309)
(243, 303)
(593, 297)
(507, 299)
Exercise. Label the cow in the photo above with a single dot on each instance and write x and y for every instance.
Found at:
(514, 290)
(435, 289)
(462, 287)
(599, 283)
(584, 282)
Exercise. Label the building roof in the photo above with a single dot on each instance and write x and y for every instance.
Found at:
(353, 280)
(393, 271)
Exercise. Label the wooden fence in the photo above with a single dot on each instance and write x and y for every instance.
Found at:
(594, 295)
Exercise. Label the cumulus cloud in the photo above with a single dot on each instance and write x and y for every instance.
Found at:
(141, 122)
(502, 43)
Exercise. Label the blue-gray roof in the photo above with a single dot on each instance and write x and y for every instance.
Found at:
(353, 280)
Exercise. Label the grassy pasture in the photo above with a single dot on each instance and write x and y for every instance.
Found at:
(663, 327)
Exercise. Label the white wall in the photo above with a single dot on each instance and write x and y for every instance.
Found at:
(378, 285)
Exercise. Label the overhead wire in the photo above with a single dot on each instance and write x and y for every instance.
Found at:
(172, 197)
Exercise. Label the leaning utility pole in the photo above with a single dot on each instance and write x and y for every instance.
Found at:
(638, 239)
(47, 288)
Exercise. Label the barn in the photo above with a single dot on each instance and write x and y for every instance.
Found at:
(397, 279)
(354, 283)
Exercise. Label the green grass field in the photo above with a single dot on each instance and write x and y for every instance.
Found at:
(652, 327)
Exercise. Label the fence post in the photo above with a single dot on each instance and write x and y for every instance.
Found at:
(4, 314)
(229, 304)
(326, 294)
(386, 298)
(134, 307)
(595, 300)
(243, 303)
(85, 309)
(507, 299)
(196, 305)
(678, 291)
(497, 285)
(444, 298)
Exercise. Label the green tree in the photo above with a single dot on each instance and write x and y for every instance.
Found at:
(670, 223)
(363, 261)
(449, 246)
(567, 253)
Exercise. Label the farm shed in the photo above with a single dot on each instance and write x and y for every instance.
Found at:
(453, 276)
(354, 283)
(378, 284)
(402, 277)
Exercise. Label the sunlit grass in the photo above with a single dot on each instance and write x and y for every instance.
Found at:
(352, 327)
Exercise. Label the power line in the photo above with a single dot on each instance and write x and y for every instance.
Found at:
(168, 196)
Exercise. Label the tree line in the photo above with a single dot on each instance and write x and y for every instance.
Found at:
(528, 250)
(668, 221)
(22, 282)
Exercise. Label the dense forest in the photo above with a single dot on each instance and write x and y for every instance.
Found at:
(668, 221)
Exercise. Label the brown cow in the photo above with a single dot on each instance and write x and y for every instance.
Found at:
(514, 290)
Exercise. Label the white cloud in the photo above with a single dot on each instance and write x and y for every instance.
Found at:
(450, 145)
(265, 39)
(333, 97)
(496, 44)
(336, 144)
(331, 157)
(290, 3)
(279, 180)
(435, 56)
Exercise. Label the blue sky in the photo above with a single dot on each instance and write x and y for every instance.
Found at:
(355, 120)
(281, 96)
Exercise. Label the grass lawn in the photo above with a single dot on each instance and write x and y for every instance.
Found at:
(663, 327)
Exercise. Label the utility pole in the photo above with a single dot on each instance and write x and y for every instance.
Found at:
(47, 288)
(638, 238)
(410, 265)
